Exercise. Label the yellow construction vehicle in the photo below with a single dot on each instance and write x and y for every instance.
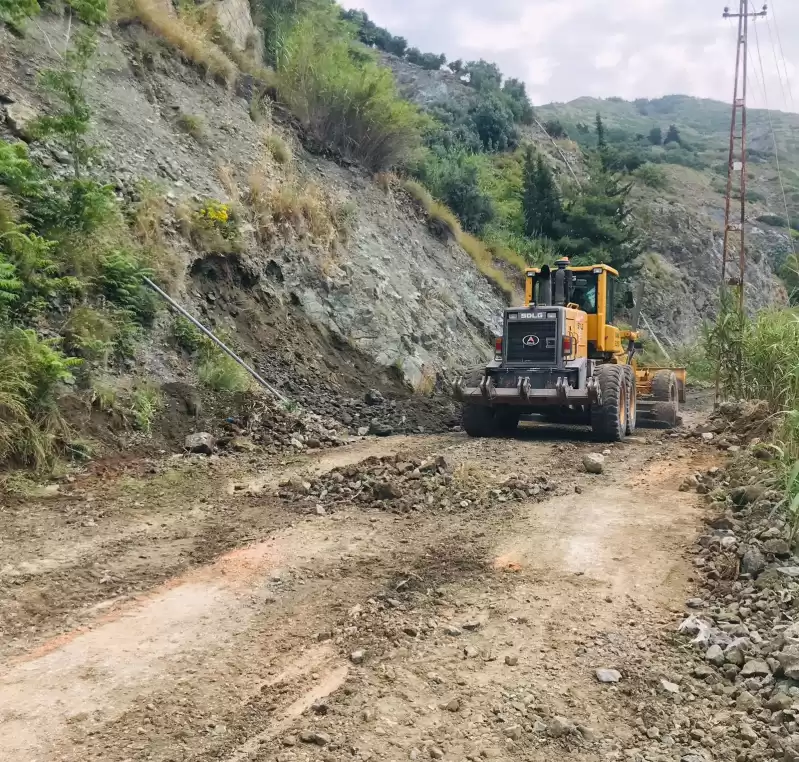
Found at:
(561, 355)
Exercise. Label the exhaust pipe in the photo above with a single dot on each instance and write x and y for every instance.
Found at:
(545, 288)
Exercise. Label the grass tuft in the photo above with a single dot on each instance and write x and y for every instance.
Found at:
(278, 148)
(221, 373)
(193, 125)
(294, 207)
(192, 41)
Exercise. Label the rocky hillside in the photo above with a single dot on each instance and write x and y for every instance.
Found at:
(330, 282)
(680, 211)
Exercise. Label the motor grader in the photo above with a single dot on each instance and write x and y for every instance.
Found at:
(561, 355)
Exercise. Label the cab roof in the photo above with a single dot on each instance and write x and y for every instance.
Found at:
(577, 269)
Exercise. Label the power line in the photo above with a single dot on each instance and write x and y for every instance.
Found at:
(782, 51)
(776, 62)
(774, 141)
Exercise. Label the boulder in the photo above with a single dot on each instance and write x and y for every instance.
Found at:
(789, 661)
(201, 442)
(594, 463)
(19, 118)
(753, 561)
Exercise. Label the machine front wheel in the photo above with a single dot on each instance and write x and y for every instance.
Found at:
(632, 399)
(609, 419)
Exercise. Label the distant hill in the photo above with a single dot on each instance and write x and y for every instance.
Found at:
(704, 125)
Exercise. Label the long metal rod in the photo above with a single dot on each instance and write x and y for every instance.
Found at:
(654, 336)
(229, 352)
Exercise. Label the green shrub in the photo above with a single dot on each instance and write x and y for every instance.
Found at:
(774, 220)
(90, 333)
(16, 12)
(352, 106)
(32, 431)
(212, 227)
(120, 280)
(453, 179)
(221, 373)
(652, 176)
(494, 122)
(145, 404)
(186, 335)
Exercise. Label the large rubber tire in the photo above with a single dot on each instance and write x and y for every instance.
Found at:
(666, 394)
(609, 420)
(479, 421)
(506, 421)
(632, 400)
(483, 421)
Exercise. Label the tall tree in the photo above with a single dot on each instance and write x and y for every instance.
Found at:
(596, 223)
(673, 136)
(540, 197)
(656, 136)
(601, 140)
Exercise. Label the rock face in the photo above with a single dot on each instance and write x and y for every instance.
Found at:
(234, 17)
(392, 290)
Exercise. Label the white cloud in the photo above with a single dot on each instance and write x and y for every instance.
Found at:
(631, 48)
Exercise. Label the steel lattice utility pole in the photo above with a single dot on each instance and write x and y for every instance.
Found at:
(733, 268)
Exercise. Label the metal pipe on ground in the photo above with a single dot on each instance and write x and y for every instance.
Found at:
(229, 352)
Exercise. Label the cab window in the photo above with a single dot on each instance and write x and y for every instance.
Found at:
(611, 301)
(584, 292)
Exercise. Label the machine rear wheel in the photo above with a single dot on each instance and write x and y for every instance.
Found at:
(609, 420)
(478, 421)
(506, 421)
(666, 393)
(632, 399)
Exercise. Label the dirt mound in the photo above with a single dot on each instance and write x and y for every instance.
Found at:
(401, 484)
(738, 423)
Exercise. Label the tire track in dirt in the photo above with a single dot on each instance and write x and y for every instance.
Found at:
(201, 668)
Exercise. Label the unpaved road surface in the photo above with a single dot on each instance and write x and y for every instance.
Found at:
(193, 610)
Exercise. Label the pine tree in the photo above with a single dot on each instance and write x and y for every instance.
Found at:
(601, 141)
(596, 224)
(656, 136)
(541, 199)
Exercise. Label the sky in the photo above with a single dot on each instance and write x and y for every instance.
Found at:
(564, 49)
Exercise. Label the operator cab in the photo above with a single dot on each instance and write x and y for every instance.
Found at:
(589, 289)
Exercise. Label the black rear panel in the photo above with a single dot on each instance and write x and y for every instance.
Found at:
(532, 343)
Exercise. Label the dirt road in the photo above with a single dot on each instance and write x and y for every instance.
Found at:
(194, 610)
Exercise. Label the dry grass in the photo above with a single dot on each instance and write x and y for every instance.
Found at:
(193, 125)
(291, 207)
(385, 181)
(510, 256)
(481, 256)
(147, 226)
(193, 42)
(228, 179)
(445, 224)
(278, 148)
(427, 383)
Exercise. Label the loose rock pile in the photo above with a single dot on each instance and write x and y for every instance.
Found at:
(735, 424)
(744, 633)
(265, 425)
(402, 484)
